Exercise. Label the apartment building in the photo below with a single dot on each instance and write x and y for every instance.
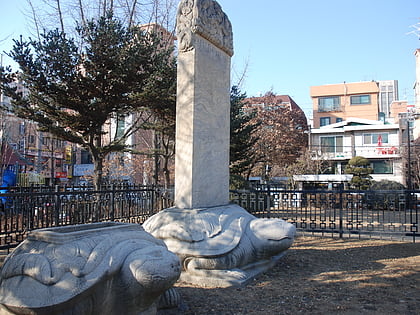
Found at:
(371, 100)
(388, 93)
(272, 101)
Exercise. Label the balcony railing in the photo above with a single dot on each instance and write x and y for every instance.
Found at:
(347, 153)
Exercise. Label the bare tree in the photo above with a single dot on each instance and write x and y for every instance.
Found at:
(307, 163)
(48, 14)
(281, 134)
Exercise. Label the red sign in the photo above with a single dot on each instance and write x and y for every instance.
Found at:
(60, 174)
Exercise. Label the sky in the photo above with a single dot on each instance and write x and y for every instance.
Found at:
(287, 46)
(291, 45)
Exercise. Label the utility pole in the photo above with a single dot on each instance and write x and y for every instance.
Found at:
(409, 119)
(2, 148)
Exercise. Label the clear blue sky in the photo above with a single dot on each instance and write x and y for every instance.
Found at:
(290, 45)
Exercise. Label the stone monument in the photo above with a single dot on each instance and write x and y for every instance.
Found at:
(203, 105)
(100, 268)
(219, 244)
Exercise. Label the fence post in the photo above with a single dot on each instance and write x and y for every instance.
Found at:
(341, 214)
(111, 216)
(268, 201)
(57, 205)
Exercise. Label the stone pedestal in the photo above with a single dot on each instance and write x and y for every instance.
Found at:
(101, 268)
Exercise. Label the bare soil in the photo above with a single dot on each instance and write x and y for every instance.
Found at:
(322, 276)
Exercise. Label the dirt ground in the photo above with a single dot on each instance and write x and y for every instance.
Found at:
(323, 276)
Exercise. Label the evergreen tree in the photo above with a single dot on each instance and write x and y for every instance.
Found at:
(76, 90)
(359, 167)
(242, 138)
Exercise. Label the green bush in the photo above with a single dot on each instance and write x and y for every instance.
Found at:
(386, 185)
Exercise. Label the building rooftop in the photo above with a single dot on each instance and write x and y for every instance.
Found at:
(344, 88)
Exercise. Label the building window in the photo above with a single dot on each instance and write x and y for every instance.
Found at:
(338, 119)
(31, 139)
(360, 99)
(324, 121)
(85, 157)
(375, 138)
(382, 167)
(333, 144)
(120, 127)
(22, 128)
(21, 144)
(45, 141)
(381, 116)
(328, 104)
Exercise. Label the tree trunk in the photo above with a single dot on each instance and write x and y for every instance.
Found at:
(168, 153)
(156, 145)
(97, 179)
(98, 160)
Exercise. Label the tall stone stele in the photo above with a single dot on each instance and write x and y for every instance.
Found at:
(203, 104)
(219, 244)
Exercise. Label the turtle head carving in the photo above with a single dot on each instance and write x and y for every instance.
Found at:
(271, 236)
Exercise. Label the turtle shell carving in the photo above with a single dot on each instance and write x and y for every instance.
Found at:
(106, 266)
(220, 240)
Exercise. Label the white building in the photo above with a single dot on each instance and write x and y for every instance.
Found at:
(371, 139)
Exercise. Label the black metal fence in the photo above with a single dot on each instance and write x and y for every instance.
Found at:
(372, 214)
(25, 209)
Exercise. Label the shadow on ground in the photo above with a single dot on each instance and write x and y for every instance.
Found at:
(323, 276)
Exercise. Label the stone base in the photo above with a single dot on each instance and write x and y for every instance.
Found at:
(230, 278)
(221, 246)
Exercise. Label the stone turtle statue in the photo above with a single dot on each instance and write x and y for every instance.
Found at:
(101, 268)
(221, 246)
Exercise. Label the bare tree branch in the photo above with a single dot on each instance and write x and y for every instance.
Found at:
(60, 14)
(131, 14)
(242, 75)
(82, 13)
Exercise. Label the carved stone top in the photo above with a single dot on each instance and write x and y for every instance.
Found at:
(57, 266)
(205, 18)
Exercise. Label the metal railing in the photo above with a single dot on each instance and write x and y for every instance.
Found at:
(369, 151)
(372, 214)
(26, 209)
(345, 213)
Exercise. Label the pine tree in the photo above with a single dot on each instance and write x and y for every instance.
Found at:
(242, 138)
(358, 166)
(75, 90)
